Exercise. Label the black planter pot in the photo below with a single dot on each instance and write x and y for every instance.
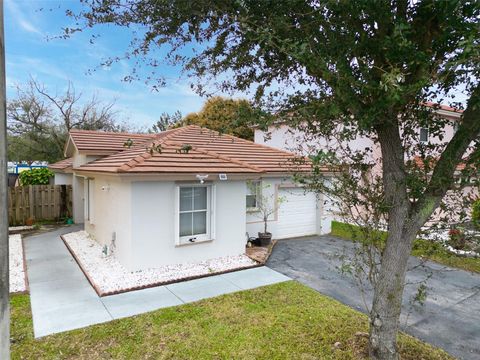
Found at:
(265, 238)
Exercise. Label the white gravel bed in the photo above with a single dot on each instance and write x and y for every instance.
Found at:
(442, 236)
(19, 228)
(110, 276)
(17, 269)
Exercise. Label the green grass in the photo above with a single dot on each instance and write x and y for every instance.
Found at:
(283, 321)
(422, 248)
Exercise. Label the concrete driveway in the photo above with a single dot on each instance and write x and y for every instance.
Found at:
(449, 319)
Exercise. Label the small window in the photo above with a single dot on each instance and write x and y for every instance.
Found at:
(253, 194)
(423, 135)
(194, 214)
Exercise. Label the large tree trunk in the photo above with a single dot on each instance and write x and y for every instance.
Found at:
(387, 301)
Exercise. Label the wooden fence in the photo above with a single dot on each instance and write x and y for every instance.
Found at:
(39, 202)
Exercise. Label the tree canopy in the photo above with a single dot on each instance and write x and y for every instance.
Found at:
(227, 116)
(38, 121)
(336, 69)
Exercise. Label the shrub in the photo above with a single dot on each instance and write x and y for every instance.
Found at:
(476, 213)
(37, 176)
(457, 239)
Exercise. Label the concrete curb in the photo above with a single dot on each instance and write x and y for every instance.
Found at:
(27, 285)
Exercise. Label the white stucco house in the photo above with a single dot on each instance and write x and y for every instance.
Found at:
(63, 171)
(284, 137)
(182, 195)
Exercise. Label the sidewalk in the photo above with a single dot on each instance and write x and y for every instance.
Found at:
(62, 299)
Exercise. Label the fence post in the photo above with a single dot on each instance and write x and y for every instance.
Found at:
(63, 202)
(31, 202)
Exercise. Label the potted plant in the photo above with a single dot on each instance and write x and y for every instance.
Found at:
(266, 205)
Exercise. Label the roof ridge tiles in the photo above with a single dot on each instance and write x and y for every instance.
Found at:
(219, 156)
(239, 139)
(212, 146)
(146, 155)
(112, 132)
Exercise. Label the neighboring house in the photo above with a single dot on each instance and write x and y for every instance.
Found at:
(182, 195)
(63, 171)
(281, 136)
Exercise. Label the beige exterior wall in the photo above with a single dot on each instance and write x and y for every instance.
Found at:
(78, 192)
(141, 218)
(62, 178)
(154, 221)
(110, 223)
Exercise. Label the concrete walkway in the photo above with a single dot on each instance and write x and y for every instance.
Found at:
(62, 299)
(449, 319)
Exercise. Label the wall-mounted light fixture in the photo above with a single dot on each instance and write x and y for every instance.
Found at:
(201, 178)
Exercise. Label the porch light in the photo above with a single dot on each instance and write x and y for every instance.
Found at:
(201, 178)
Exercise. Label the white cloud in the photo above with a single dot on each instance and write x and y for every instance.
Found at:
(29, 27)
(18, 17)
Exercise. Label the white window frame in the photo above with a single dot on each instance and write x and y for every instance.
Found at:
(420, 135)
(210, 234)
(258, 185)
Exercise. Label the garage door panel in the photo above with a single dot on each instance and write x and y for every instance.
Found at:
(297, 215)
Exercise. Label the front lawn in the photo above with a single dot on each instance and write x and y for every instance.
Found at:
(430, 250)
(283, 321)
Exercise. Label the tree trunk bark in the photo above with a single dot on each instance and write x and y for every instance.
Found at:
(387, 300)
(389, 285)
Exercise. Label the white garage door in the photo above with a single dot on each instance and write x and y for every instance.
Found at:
(297, 215)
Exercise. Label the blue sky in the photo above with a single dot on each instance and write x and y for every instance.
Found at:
(31, 51)
(54, 62)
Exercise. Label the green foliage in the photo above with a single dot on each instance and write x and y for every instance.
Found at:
(267, 202)
(359, 234)
(334, 69)
(167, 121)
(431, 250)
(30, 146)
(36, 176)
(222, 327)
(476, 213)
(227, 116)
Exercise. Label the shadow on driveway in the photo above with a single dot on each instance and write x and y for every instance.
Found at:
(449, 319)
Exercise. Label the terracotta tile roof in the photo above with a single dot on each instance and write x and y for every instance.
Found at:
(64, 164)
(105, 143)
(208, 152)
(443, 107)
(419, 162)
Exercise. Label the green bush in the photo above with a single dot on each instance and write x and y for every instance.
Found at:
(37, 176)
(476, 213)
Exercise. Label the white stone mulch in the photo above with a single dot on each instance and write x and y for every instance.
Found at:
(12, 229)
(17, 269)
(442, 236)
(109, 276)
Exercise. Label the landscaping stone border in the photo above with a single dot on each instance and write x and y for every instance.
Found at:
(141, 287)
